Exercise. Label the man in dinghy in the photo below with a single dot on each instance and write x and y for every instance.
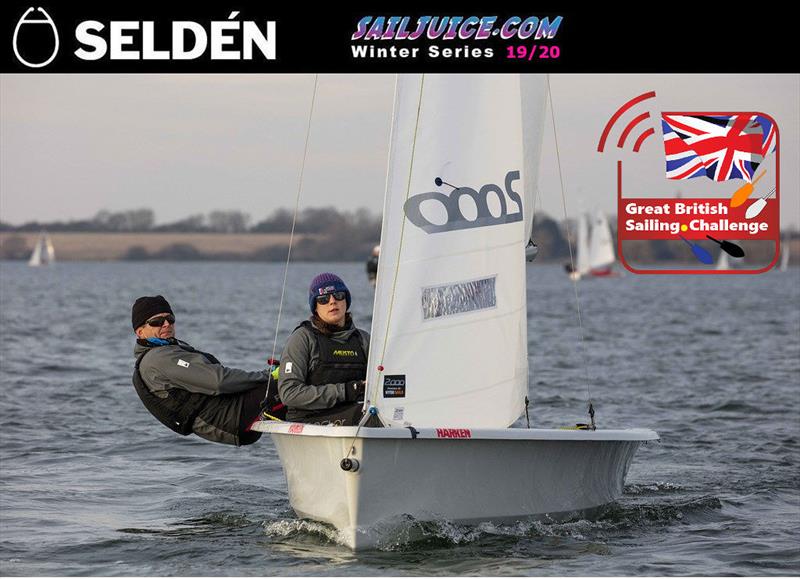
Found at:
(187, 390)
(324, 364)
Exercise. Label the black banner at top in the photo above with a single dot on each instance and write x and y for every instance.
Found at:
(258, 37)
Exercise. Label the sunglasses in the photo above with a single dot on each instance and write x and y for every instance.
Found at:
(338, 296)
(158, 322)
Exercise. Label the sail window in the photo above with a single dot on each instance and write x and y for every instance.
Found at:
(458, 298)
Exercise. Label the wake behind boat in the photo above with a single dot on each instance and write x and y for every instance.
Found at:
(448, 360)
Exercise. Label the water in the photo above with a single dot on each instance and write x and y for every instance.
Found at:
(90, 484)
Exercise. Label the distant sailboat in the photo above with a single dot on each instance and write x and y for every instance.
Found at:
(372, 265)
(601, 248)
(43, 252)
(582, 251)
(784, 255)
(595, 254)
(723, 262)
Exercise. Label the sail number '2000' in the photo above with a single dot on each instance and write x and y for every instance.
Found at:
(455, 218)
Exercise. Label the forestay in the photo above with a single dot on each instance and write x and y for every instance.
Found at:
(449, 334)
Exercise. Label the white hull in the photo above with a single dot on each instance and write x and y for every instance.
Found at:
(494, 475)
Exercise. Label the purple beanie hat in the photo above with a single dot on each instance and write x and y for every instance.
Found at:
(326, 283)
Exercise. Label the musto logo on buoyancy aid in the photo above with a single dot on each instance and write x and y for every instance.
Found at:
(508, 212)
(345, 353)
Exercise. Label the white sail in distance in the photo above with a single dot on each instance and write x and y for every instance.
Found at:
(784, 255)
(43, 252)
(36, 256)
(49, 250)
(582, 251)
(449, 332)
(723, 262)
(601, 245)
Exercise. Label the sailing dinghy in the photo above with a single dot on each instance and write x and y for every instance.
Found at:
(784, 255)
(601, 248)
(582, 251)
(448, 360)
(595, 253)
(43, 252)
(723, 263)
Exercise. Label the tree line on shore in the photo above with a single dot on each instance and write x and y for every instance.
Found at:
(326, 234)
(309, 220)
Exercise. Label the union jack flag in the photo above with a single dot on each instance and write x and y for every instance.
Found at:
(720, 147)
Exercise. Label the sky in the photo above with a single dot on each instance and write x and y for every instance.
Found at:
(73, 145)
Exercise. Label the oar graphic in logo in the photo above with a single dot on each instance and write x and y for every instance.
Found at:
(758, 206)
(701, 254)
(35, 44)
(743, 192)
(728, 247)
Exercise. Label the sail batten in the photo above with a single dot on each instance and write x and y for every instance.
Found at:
(450, 297)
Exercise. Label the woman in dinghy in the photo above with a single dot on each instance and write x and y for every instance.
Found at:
(324, 363)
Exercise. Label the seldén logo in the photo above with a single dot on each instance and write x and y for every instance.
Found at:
(35, 45)
(36, 40)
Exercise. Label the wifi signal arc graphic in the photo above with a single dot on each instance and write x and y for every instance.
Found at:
(630, 126)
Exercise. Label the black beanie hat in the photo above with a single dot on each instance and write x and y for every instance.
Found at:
(146, 307)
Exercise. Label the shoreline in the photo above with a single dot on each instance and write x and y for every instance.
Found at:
(254, 247)
(90, 246)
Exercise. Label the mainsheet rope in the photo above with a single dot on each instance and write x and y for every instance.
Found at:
(571, 258)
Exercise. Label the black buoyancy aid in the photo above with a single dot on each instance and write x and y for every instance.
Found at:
(179, 408)
(338, 362)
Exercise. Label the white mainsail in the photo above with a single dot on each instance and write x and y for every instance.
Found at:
(533, 89)
(36, 257)
(582, 251)
(601, 245)
(49, 250)
(449, 332)
(723, 262)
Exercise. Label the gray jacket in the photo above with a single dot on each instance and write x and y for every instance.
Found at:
(299, 359)
(168, 366)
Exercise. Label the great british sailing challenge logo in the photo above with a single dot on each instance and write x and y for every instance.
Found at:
(734, 162)
(35, 40)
